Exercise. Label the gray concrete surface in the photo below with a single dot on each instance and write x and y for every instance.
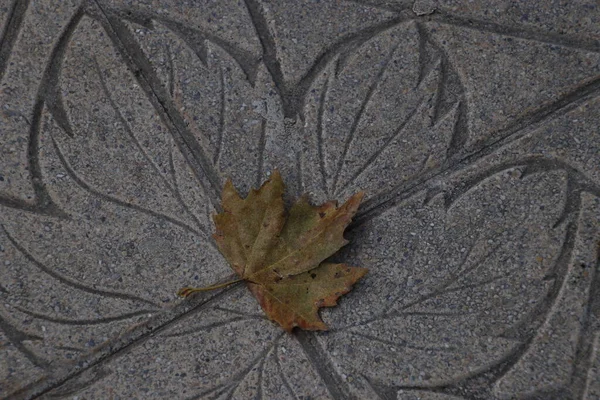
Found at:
(473, 127)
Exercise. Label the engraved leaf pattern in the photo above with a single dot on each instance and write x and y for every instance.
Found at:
(378, 111)
(451, 279)
(142, 117)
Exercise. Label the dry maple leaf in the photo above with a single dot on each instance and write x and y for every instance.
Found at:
(280, 259)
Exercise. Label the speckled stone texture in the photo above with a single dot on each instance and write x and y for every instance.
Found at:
(473, 127)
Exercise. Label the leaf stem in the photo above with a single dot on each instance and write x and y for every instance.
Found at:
(187, 291)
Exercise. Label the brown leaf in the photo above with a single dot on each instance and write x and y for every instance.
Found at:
(279, 258)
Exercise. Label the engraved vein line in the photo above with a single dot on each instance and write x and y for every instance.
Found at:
(282, 375)
(455, 289)
(177, 194)
(171, 71)
(114, 200)
(442, 58)
(379, 391)
(440, 289)
(441, 89)
(256, 362)
(10, 33)
(222, 116)
(587, 342)
(299, 172)
(236, 312)
(68, 281)
(80, 386)
(569, 206)
(71, 348)
(55, 103)
(261, 151)
(261, 371)
(358, 116)
(208, 327)
(589, 376)
(422, 39)
(377, 4)
(457, 194)
(395, 299)
(425, 158)
(77, 322)
(218, 390)
(457, 112)
(320, 154)
(466, 269)
(399, 131)
(139, 146)
(430, 314)
(208, 217)
(17, 337)
(404, 343)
